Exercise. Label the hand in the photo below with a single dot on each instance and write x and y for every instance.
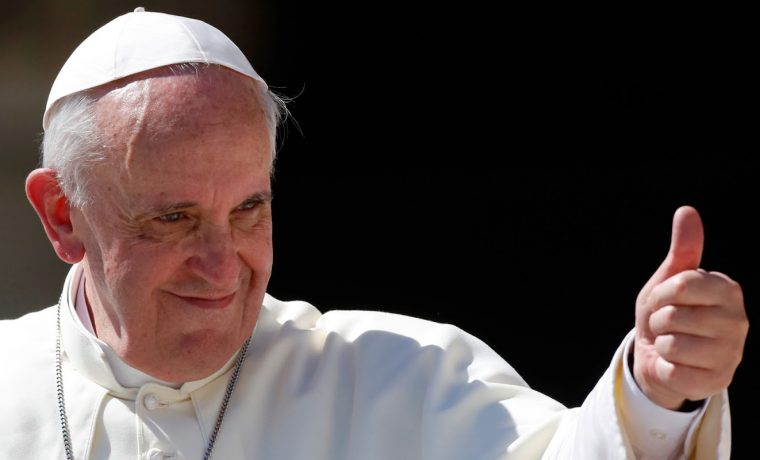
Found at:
(690, 323)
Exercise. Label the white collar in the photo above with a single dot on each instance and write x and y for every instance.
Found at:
(80, 305)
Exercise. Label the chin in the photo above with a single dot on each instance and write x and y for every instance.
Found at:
(194, 357)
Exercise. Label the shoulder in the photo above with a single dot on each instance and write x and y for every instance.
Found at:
(30, 328)
(27, 347)
(400, 382)
(378, 335)
(357, 325)
(27, 340)
(27, 344)
(28, 385)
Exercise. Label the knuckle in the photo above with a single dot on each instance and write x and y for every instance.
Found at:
(717, 383)
(680, 284)
(720, 377)
(647, 301)
(734, 285)
(641, 298)
(668, 374)
(735, 292)
(742, 323)
(735, 356)
(666, 346)
(735, 339)
(669, 315)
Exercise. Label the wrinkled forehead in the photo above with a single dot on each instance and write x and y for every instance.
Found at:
(167, 104)
(169, 136)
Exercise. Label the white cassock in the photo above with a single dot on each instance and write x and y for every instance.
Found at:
(335, 386)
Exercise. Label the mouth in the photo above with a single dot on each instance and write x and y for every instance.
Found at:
(208, 303)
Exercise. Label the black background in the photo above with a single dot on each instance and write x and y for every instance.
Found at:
(513, 172)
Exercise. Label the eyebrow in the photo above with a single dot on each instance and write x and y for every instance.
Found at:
(260, 197)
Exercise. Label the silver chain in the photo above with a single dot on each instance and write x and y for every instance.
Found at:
(59, 386)
(226, 400)
(62, 404)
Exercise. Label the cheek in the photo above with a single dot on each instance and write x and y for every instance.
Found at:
(257, 252)
(146, 267)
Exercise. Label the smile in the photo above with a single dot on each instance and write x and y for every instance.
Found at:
(209, 303)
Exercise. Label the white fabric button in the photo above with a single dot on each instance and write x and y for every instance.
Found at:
(139, 9)
(151, 401)
(657, 434)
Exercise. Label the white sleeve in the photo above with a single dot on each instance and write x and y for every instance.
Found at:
(654, 432)
(616, 422)
(461, 400)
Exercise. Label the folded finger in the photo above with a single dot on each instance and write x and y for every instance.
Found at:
(694, 287)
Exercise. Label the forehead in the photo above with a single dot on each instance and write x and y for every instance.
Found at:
(173, 134)
(167, 103)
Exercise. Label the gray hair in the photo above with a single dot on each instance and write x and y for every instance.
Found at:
(72, 143)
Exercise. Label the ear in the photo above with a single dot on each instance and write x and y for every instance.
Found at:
(45, 194)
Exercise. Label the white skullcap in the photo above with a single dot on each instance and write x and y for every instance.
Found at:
(140, 41)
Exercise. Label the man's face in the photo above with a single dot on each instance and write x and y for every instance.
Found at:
(178, 239)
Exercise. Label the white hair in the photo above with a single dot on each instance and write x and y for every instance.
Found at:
(72, 143)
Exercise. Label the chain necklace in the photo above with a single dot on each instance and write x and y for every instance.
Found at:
(62, 405)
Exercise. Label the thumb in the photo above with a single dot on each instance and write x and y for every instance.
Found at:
(686, 244)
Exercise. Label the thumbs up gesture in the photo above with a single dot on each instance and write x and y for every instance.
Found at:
(690, 323)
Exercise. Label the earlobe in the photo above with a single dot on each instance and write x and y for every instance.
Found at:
(52, 207)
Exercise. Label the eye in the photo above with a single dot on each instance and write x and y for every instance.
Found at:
(171, 217)
(250, 204)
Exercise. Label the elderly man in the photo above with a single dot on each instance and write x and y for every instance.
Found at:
(155, 186)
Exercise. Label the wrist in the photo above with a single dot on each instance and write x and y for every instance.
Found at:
(671, 402)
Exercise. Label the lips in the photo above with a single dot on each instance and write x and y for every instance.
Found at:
(209, 303)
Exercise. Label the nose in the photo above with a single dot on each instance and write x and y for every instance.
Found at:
(215, 257)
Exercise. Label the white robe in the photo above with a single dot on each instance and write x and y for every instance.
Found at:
(342, 385)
